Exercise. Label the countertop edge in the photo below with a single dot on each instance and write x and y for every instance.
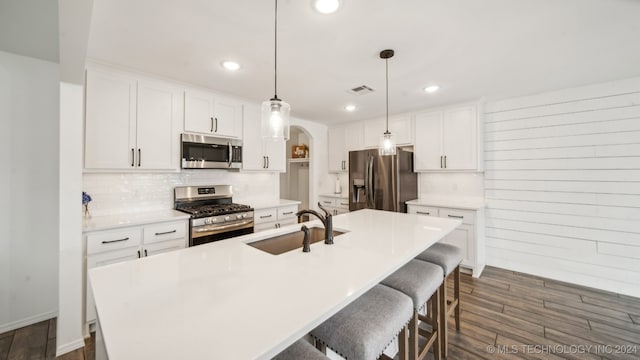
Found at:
(116, 221)
(455, 203)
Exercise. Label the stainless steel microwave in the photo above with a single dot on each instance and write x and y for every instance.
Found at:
(208, 152)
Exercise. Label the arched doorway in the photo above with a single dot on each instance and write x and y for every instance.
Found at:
(295, 183)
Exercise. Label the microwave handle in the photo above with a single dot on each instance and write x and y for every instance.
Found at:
(230, 153)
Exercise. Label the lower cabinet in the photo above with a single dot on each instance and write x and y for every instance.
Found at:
(273, 218)
(335, 206)
(469, 236)
(106, 247)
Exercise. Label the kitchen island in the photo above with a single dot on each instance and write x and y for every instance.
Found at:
(228, 300)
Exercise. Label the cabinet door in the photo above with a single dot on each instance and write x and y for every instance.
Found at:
(110, 128)
(402, 128)
(337, 149)
(460, 134)
(463, 237)
(276, 155)
(158, 137)
(354, 137)
(101, 259)
(252, 155)
(428, 142)
(198, 112)
(227, 117)
(373, 129)
(163, 247)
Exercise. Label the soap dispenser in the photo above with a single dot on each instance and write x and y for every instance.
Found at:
(338, 188)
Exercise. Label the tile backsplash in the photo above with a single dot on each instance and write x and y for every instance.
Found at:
(116, 193)
(451, 184)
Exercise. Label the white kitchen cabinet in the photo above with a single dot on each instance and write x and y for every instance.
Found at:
(354, 137)
(338, 154)
(131, 124)
(401, 127)
(275, 217)
(257, 153)
(448, 139)
(469, 236)
(335, 205)
(104, 247)
(211, 114)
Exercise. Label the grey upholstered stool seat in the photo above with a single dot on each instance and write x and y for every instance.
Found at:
(420, 281)
(300, 350)
(449, 258)
(364, 328)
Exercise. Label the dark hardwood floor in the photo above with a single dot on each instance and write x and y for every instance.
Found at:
(505, 315)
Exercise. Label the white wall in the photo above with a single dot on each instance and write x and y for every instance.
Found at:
(563, 185)
(29, 103)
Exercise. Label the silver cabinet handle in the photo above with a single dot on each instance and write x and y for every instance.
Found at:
(445, 161)
(139, 254)
(114, 241)
(133, 157)
(211, 123)
(288, 213)
(166, 232)
(216, 125)
(456, 216)
(264, 162)
(267, 162)
(326, 202)
(145, 252)
(441, 166)
(423, 213)
(265, 216)
(344, 203)
(139, 157)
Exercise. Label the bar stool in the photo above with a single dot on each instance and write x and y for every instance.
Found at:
(449, 258)
(364, 328)
(300, 349)
(420, 281)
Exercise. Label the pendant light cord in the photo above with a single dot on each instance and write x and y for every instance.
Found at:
(275, 56)
(386, 63)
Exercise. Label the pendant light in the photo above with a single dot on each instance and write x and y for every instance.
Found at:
(275, 112)
(387, 142)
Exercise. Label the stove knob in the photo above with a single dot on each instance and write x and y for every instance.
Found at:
(239, 216)
(244, 216)
(207, 221)
(227, 218)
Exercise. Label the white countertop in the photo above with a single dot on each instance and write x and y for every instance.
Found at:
(468, 203)
(104, 222)
(265, 204)
(337, 196)
(228, 300)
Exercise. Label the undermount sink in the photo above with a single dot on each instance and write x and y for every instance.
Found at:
(286, 242)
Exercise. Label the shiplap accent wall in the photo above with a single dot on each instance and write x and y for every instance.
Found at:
(562, 184)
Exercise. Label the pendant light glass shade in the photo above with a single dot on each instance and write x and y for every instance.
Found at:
(275, 120)
(387, 141)
(275, 112)
(387, 144)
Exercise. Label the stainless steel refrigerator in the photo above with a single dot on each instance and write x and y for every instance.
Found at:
(381, 182)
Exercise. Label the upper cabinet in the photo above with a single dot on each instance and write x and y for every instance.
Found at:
(401, 127)
(211, 114)
(338, 154)
(130, 124)
(448, 139)
(259, 154)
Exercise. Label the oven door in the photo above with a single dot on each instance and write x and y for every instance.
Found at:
(206, 152)
(206, 234)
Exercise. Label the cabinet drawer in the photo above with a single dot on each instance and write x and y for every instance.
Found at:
(164, 231)
(342, 204)
(327, 201)
(110, 240)
(422, 210)
(288, 212)
(257, 227)
(265, 215)
(467, 217)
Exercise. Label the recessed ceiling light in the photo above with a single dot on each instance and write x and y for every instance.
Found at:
(326, 6)
(432, 88)
(350, 107)
(231, 65)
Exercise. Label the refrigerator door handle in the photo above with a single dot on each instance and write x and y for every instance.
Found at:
(370, 192)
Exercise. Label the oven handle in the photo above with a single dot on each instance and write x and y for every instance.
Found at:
(230, 154)
(206, 231)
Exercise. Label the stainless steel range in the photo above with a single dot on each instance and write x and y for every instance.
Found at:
(214, 216)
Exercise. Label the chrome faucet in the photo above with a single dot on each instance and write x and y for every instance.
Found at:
(327, 221)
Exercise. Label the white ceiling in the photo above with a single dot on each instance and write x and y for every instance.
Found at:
(490, 48)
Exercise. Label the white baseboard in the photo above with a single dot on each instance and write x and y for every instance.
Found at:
(27, 321)
(69, 347)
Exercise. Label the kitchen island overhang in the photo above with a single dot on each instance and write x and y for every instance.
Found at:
(230, 300)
